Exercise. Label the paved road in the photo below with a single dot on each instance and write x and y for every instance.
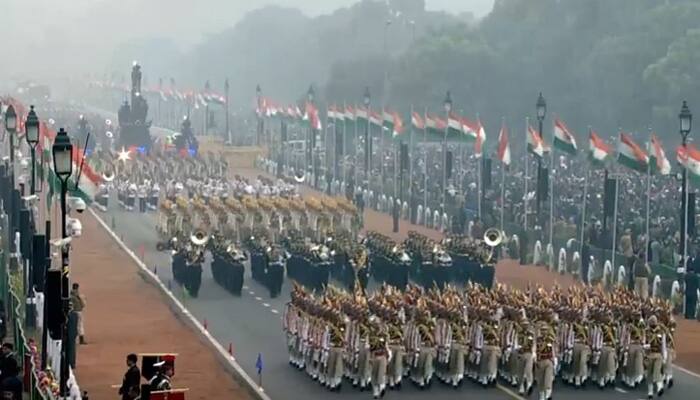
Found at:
(252, 325)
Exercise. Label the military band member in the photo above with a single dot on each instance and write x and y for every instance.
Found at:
(657, 351)
(581, 349)
(607, 364)
(397, 350)
(546, 345)
(633, 362)
(378, 344)
(526, 356)
(491, 354)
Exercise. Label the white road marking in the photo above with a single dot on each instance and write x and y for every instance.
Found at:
(266, 305)
(274, 311)
(251, 292)
(621, 390)
(258, 298)
(509, 392)
(245, 287)
(691, 373)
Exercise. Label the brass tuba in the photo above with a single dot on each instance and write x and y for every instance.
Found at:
(492, 238)
(199, 238)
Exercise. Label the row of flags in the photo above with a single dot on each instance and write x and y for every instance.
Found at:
(462, 130)
(196, 98)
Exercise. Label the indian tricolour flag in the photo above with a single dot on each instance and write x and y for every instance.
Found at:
(563, 138)
(535, 144)
(388, 120)
(417, 121)
(599, 151)
(362, 115)
(692, 163)
(89, 180)
(657, 157)
(454, 128)
(397, 125)
(470, 129)
(630, 154)
(376, 119)
(331, 113)
(349, 116)
(435, 127)
(503, 146)
(480, 139)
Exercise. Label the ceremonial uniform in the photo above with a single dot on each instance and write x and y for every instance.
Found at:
(657, 353)
(546, 360)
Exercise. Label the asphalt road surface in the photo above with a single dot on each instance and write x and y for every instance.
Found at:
(251, 324)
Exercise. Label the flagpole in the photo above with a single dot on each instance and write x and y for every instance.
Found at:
(646, 244)
(410, 170)
(425, 157)
(343, 150)
(356, 143)
(228, 111)
(527, 174)
(551, 201)
(617, 191)
(479, 162)
(503, 181)
(326, 142)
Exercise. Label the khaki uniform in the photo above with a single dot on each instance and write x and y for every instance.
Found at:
(655, 359)
(546, 359)
(607, 365)
(491, 353)
(582, 353)
(634, 370)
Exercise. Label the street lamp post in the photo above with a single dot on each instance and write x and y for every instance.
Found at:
(448, 110)
(63, 166)
(541, 112)
(32, 136)
(368, 141)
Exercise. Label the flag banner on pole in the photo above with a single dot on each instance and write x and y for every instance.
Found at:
(312, 117)
(470, 129)
(630, 154)
(361, 115)
(564, 140)
(504, 146)
(376, 119)
(339, 113)
(480, 139)
(599, 151)
(259, 363)
(436, 128)
(417, 121)
(657, 157)
(330, 113)
(397, 126)
(455, 132)
(535, 144)
(689, 158)
(388, 120)
(349, 114)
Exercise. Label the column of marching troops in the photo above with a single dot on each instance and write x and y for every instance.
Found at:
(527, 338)
(434, 330)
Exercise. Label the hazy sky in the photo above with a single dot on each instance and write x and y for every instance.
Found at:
(87, 31)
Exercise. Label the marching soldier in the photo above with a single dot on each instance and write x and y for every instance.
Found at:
(526, 355)
(546, 357)
(488, 368)
(378, 343)
(657, 353)
(581, 349)
(633, 362)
